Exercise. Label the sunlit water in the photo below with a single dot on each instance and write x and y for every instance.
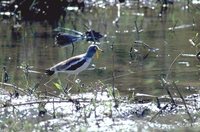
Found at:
(136, 73)
(36, 48)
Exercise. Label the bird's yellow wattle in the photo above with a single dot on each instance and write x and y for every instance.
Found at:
(97, 54)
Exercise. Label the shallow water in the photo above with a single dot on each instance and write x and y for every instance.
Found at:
(137, 76)
(35, 47)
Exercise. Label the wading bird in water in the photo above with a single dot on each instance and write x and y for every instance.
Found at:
(67, 37)
(76, 64)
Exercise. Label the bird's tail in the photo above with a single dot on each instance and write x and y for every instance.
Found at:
(38, 71)
(49, 72)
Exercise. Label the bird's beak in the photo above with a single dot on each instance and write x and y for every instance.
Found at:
(97, 53)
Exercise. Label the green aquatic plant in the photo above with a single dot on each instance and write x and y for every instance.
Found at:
(110, 92)
(175, 21)
(26, 76)
(58, 85)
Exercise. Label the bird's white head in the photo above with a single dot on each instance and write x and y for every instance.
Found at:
(92, 49)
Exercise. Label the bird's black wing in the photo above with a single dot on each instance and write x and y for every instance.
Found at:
(76, 65)
(62, 66)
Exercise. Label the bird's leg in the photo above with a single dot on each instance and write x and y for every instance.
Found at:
(39, 82)
(70, 81)
(48, 82)
(72, 48)
(76, 84)
(74, 78)
(67, 88)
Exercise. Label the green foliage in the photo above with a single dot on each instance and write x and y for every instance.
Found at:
(131, 96)
(110, 92)
(58, 85)
(16, 125)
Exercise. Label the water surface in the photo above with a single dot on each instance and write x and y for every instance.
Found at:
(35, 47)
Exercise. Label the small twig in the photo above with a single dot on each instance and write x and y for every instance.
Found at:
(172, 64)
(154, 116)
(158, 102)
(193, 22)
(85, 115)
(40, 101)
(94, 104)
(137, 31)
(146, 46)
(113, 71)
(186, 108)
(15, 87)
(54, 111)
(113, 76)
(192, 42)
(5, 75)
(167, 89)
(173, 29)
(54, 95)
(36, 86)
